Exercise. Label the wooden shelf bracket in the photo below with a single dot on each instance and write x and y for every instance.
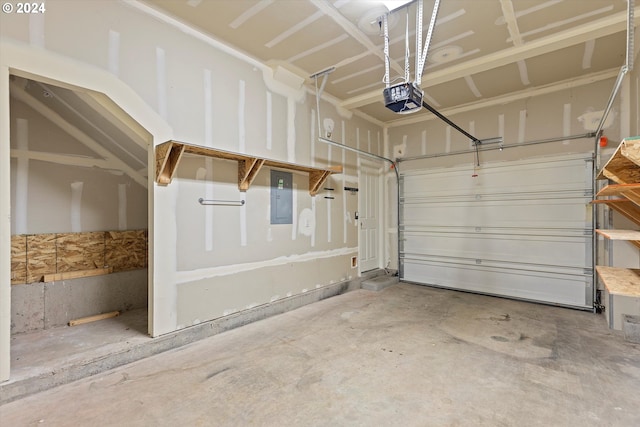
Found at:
(169, 154)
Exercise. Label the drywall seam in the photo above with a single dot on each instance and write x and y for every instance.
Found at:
(243, 219)
(524, 73)
(294, 213)
(522, 125)
(313, 215)
(472, 86)
(369, 140)
(269, 135)
(226, 270)
(358, 140)
(161, 82)
(313, 137)
(329, 215)
(424, 142)
(589, 48)
(345, 212)
(36, 30)
(566, 122)
(249, 13)
(291, 130)
(22, 177)
(501, 125)
(76, 206)
(208, 210)
(114, 53)
(447, 147)
(122, 206)
(207, 83)
(242, 130)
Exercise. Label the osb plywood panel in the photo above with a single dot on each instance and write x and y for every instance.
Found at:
(630, 148)
(18, 259)
(620, 168)
(617, 189)
(126, 250)
(41, 256)
(620, 281)
(80, 251)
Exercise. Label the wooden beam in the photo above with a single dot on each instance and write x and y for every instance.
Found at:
(624, 207)
(90, 319)
(615, 234)
(76, 274)
(617, 189)
(316, 180)
(168, 156)
(247, 171)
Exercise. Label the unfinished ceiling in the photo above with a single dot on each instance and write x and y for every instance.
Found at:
(481, 50)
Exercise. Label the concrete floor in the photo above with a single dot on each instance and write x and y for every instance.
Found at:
(408, 355)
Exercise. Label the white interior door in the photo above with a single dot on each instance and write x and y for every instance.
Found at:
(369, 217)
(519, 229)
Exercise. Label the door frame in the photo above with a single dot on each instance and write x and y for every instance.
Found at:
(38, 64)
(363, 163)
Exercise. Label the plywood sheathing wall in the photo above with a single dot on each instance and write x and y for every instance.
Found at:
(37, 255)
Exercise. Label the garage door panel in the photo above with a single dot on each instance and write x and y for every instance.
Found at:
(547, 287)
(498, 179)
(558, 213)
(520, 229)
(553, 251)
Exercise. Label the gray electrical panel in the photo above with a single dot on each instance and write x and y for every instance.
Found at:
(281, 197)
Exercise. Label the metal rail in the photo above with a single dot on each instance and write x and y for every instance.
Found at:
(500, 147)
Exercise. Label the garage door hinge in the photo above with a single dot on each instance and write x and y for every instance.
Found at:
(478, 261)
(588, 271)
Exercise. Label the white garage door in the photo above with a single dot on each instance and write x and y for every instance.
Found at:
(519, 229)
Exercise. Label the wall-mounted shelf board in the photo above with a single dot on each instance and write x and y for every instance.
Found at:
(629, 191)
(623, 206)
(620, 234)
(168, 157)
(620, 281)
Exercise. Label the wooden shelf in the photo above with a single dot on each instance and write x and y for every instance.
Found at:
(623, 206)
(624, 166)
(620, 234)
(620, 281)
(168, 157)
